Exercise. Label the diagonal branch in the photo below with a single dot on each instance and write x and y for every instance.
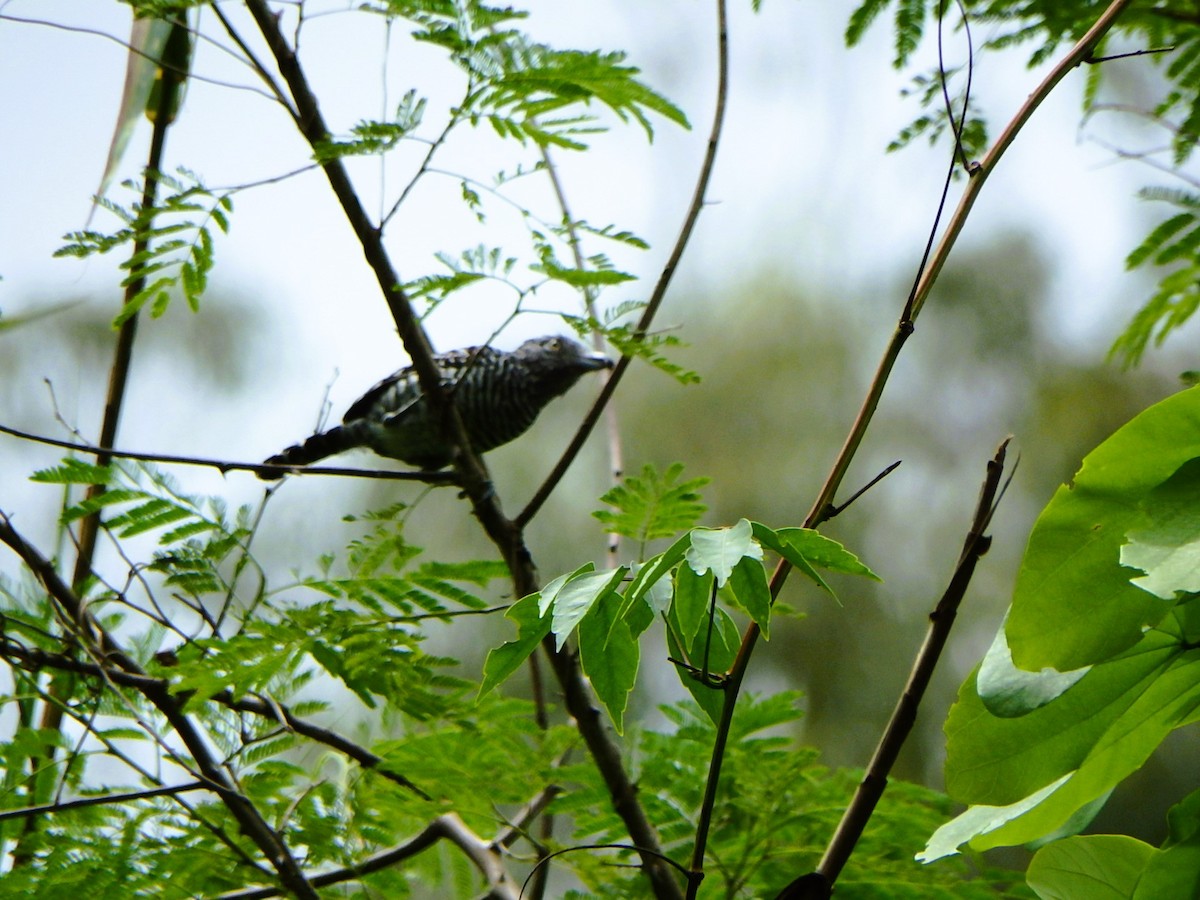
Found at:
(819, 884)
(506, 534)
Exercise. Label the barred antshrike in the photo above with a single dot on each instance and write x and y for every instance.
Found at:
(498, 394)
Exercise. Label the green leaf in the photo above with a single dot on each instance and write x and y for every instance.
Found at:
(74, 471)
(714, 647)
(575, 597)
(1081, 744)
(823, 552)
(1167, 548)
(1096, 866)
(861, 19)
(719, 549)
(1008, 691)
(653, 570)
(1074, 603)
(693, 597)
(1175, 870)
(609, 655)
(749, 583)
(980, 819)
(532, 627)
(651, 506)
(807, 549)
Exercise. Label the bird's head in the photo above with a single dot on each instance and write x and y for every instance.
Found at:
(558, 362)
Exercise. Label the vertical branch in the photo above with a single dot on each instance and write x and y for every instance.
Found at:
(170, 80)
(904, 716)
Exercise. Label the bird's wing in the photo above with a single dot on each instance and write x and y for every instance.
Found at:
(408, 387)
(362, 407)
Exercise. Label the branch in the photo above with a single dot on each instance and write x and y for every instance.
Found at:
(225, 465)
(484, 855)
(82, 802)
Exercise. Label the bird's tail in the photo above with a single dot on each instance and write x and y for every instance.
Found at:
(317, 447)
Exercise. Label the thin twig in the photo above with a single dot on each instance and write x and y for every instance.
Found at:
(660, 288)
(67, 805)
(837, 510)
(226, 465)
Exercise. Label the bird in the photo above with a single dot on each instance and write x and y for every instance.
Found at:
(498, 394)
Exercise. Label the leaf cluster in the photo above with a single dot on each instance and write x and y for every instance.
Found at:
(695, 587)
(782, 805)
(171, 242)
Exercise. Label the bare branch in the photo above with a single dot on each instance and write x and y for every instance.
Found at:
(109, 799)
(485, 857)
(225, 465)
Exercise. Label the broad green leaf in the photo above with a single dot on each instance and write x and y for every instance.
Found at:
(749, 583)
(693, 598)
(981, 820)
(1095, 866)
(1086, 741)
(1167, 548)
(718, 550)
(823, 552)
(532, 628)
(1008, 691)
(609, 655)
(1074, 603)
(550, 591)
(1175, 870)
(578, 595)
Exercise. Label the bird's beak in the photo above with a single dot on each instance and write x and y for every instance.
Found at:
(594, 361)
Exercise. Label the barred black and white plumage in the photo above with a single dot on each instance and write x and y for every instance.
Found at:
(498, 394)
